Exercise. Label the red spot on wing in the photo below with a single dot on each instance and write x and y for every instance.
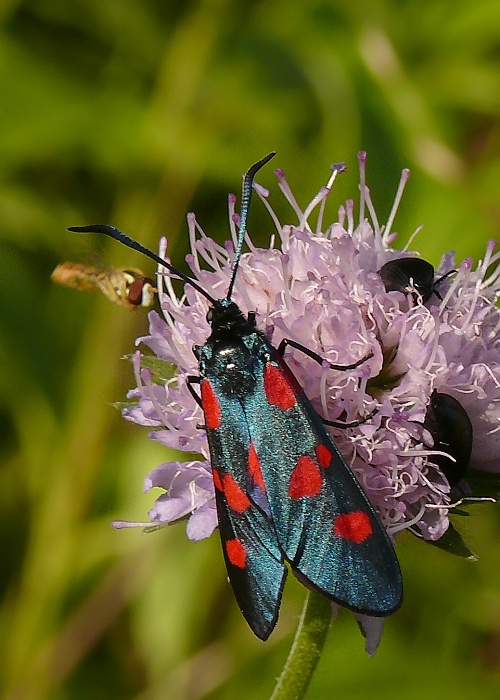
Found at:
(305, 479)
(254, 468)
(236, 553)
(324, 456)
(236, 498)
(279, 391)
(211, 406)
(289, 376)
(217, 481)
(355, 526)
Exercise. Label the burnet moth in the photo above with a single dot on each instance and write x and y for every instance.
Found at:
(283, 491)
(451, 428)
(128, 287)
(411, 276)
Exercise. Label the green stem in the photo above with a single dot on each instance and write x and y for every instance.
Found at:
(306, 648)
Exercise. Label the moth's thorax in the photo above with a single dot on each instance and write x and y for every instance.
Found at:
(228, 322)
(234, 350)
(233, 364)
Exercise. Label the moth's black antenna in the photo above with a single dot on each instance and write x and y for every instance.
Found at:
(245, 204)
(118, 235)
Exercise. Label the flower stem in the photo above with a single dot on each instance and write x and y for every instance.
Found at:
(306, 648)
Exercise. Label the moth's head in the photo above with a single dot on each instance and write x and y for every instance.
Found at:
(226, 318)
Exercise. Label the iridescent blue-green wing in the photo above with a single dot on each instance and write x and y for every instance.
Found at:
(254, 561)
(325, 525)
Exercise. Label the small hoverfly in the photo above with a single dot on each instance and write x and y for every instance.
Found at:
(128, 287)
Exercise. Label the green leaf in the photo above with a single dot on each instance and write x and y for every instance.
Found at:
(461, 513)
(483, 484)
(455, 509)
(128, 403)
(453, 543)
(161, 370)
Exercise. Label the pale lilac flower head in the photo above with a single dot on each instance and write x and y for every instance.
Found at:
(318, 284)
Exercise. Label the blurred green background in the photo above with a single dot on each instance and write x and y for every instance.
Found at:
(133, 113)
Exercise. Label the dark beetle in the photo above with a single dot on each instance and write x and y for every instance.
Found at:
(411, 276)
(449, 424)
